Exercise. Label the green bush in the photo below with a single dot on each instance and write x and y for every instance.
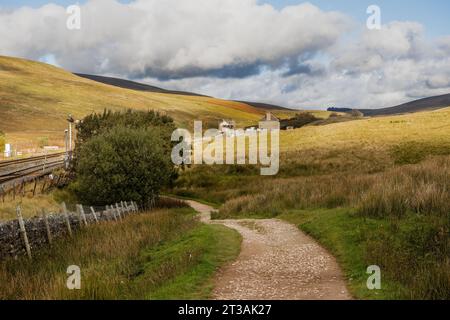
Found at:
(123, 164)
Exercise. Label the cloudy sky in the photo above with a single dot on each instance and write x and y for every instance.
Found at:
(312, 54)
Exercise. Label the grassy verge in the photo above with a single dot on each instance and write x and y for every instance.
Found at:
(31, 206)
(215, 205)
(165, 253)
(198, 254)
(411, 267)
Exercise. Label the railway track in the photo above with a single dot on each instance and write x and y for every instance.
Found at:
(12, 171)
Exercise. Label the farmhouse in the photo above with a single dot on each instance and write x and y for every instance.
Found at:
(269, 122)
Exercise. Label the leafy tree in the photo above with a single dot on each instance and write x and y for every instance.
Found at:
(299, 120)
(123, 163)
(98, 123)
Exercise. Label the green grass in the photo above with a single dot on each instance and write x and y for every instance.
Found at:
(215, 205)
(203, 251)
(343, 234)
(414, 152)
(160, 254)
(409, 268)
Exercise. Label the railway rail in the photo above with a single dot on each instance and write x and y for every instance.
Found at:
(25, 169)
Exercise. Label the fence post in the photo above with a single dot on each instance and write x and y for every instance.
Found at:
(118, 211)
(66, 215)
(94, 214)
(35, 185)
(23, 231)
(43, 186)
(123, 208)
(111, 208)
(80, 219)
(83, 215)
(47, 226)
(23, 188)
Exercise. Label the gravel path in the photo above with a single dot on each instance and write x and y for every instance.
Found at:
(277, 262)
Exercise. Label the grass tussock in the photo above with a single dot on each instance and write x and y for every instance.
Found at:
(422, 188)
(133, 259)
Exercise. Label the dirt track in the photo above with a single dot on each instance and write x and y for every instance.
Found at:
(277, 261)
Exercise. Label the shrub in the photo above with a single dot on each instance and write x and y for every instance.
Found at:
(356, 114)
(97, 123)
(123, 164)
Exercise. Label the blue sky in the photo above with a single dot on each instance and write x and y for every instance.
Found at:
(433, 14)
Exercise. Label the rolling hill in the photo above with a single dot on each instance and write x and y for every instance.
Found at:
(127, 84)
(425, 104)
(35, 99)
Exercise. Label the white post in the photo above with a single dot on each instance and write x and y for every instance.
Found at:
(118, 210)
(94, 214)
(23, 231)
(66, 215)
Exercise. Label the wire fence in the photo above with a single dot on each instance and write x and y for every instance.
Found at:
(23, 236)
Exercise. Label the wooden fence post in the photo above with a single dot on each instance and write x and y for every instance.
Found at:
(81, 215)
(23, 231)
(118, 211)
(84, 215)
(111, 209)
(123, 208)
(66, 215)
(35, 185)
(94, 214)
(47, 227)
(23, 188)
(43, 186)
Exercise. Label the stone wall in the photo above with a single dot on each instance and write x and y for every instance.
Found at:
(12, 242)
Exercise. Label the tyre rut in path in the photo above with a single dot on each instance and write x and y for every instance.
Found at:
(277, 262)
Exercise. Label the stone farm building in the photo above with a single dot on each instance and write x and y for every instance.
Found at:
(269, 122)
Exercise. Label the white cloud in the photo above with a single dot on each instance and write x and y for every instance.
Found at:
(238, 49)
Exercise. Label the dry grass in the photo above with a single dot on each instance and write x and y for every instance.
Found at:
(422, 188)
(35, 99)
(107, 254)
(164, 254)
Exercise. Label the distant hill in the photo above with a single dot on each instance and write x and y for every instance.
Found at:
(426, 104)
(127, 84)
(266, 106)
(35, 99)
